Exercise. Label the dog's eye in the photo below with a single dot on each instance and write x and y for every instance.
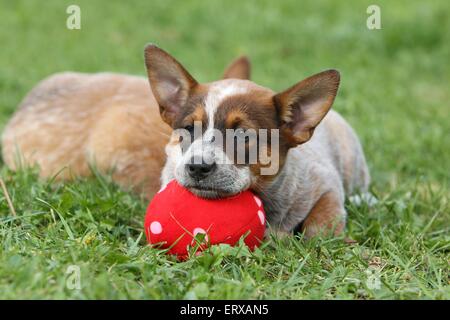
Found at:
(189, 128)
(186, 137)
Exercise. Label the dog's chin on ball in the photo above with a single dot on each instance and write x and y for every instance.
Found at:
(211, 192)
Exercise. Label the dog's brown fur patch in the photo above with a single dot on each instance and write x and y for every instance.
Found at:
(325, 216)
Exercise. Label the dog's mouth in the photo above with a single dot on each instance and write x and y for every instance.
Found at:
(211, 192)
(217, 187)
(205, 193)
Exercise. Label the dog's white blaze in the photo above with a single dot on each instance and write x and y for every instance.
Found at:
(217, 94)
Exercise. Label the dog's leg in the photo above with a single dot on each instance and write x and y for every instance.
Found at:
(326, 217)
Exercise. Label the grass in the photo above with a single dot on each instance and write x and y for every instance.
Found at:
(395, 93)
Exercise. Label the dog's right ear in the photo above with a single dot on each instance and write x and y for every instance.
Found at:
(303, 106)
(238, 69)
(171, 84)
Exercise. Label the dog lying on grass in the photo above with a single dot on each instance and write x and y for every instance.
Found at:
(124, 128)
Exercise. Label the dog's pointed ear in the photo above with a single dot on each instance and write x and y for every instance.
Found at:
(171, 84)
(239, 68)
(304, 105)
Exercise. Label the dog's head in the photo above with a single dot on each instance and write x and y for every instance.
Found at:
(226, 131)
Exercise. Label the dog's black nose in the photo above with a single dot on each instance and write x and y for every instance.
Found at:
(200, 169)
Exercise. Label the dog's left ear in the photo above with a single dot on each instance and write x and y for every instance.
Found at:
(238, 69)
(170, 82)
(304, 105)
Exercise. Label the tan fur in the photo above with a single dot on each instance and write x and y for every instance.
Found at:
(238, 69)
(71, 120)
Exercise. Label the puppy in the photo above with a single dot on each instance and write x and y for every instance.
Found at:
(73, 120)
(318, 155)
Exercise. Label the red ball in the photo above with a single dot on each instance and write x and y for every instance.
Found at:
(175, 215)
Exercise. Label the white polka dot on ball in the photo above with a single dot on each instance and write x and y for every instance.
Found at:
(162, 189)
(200, 230)
(258, 201)
(155, 227)
(261, 216)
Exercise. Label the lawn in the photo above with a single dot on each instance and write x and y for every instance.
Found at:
(394, 92)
